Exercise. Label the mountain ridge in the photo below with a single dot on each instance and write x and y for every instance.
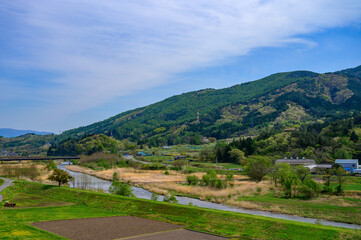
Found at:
(287, 98)
(10, 132)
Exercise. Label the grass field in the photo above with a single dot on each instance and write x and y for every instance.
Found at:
(352, 183)
(15, 223)
(341, 209)
(1, 181)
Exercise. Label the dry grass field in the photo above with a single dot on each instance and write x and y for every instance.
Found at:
(26, 170)
(140, 176)
(244, 188)
(157, 182)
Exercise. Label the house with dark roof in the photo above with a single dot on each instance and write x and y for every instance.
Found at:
(294, 162)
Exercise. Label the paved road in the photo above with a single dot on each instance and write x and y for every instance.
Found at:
(6, 184)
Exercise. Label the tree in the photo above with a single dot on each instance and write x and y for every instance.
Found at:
(290, 183)
(120, 188)
(302, 172)
(237, 156)
(60, 176)
(280, 172)
(340, 176)
(326, 177)
(207, 155)
(258, 167)
(342, 154)
(354, 137)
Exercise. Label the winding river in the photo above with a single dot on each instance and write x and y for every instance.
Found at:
(85, 181)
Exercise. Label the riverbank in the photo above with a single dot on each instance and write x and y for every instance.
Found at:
(15, 223)
(141, 176)
(337, 209)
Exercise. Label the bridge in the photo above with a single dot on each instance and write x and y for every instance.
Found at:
(7, 159)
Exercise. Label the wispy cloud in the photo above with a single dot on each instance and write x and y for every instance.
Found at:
(109, 48)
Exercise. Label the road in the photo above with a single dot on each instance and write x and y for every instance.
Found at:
(6, 184)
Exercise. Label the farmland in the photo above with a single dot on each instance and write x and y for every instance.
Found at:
(75, 203)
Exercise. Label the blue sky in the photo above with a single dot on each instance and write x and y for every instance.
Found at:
(65, 64)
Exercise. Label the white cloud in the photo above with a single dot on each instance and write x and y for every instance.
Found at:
(109, 48)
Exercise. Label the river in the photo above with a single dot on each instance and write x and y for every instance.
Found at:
(85, 181)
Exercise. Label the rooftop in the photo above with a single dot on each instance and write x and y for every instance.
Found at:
(346, 161)
(296, 161)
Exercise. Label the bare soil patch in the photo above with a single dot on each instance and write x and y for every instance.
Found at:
(105, 228)
(180, 234)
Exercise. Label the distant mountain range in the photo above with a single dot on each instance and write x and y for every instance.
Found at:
(9, 132)
(286, 99)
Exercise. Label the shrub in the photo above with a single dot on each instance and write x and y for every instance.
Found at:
(170, 198)
(178, 164)
(206, 179)
(166, 172)
(210, 179)
(99, 160)
(219, 184)
(50, 165)
(103, 164)
(327, 190)
(154, 197)
(120, 188)
(192, 180)
(309, 188)
(122, 163)
(153, 167)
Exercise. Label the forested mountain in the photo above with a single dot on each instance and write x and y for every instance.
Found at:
(283, 99)
(26, 144)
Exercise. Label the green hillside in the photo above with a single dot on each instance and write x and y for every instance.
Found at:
(285, 99)
(27, 144)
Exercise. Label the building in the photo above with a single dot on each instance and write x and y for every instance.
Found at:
(142, 154)
(294, 162)
(348, 164)
(316, 167)
(179, 157)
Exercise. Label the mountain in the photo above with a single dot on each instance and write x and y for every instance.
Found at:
(26, 144)
(9, 132)
(284, 99)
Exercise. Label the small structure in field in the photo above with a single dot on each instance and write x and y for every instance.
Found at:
(7, 204)
(295, 162)
(142, 154)
(348, 164)
(179, 157)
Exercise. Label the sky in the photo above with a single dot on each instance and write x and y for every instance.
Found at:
(70, 63)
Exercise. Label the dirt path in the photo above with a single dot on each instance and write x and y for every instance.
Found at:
(6, 184)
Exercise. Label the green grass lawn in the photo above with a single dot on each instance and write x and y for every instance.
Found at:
(30, 200)
(342, 209)
(1, 181)
(15, 223)
(352, 183)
